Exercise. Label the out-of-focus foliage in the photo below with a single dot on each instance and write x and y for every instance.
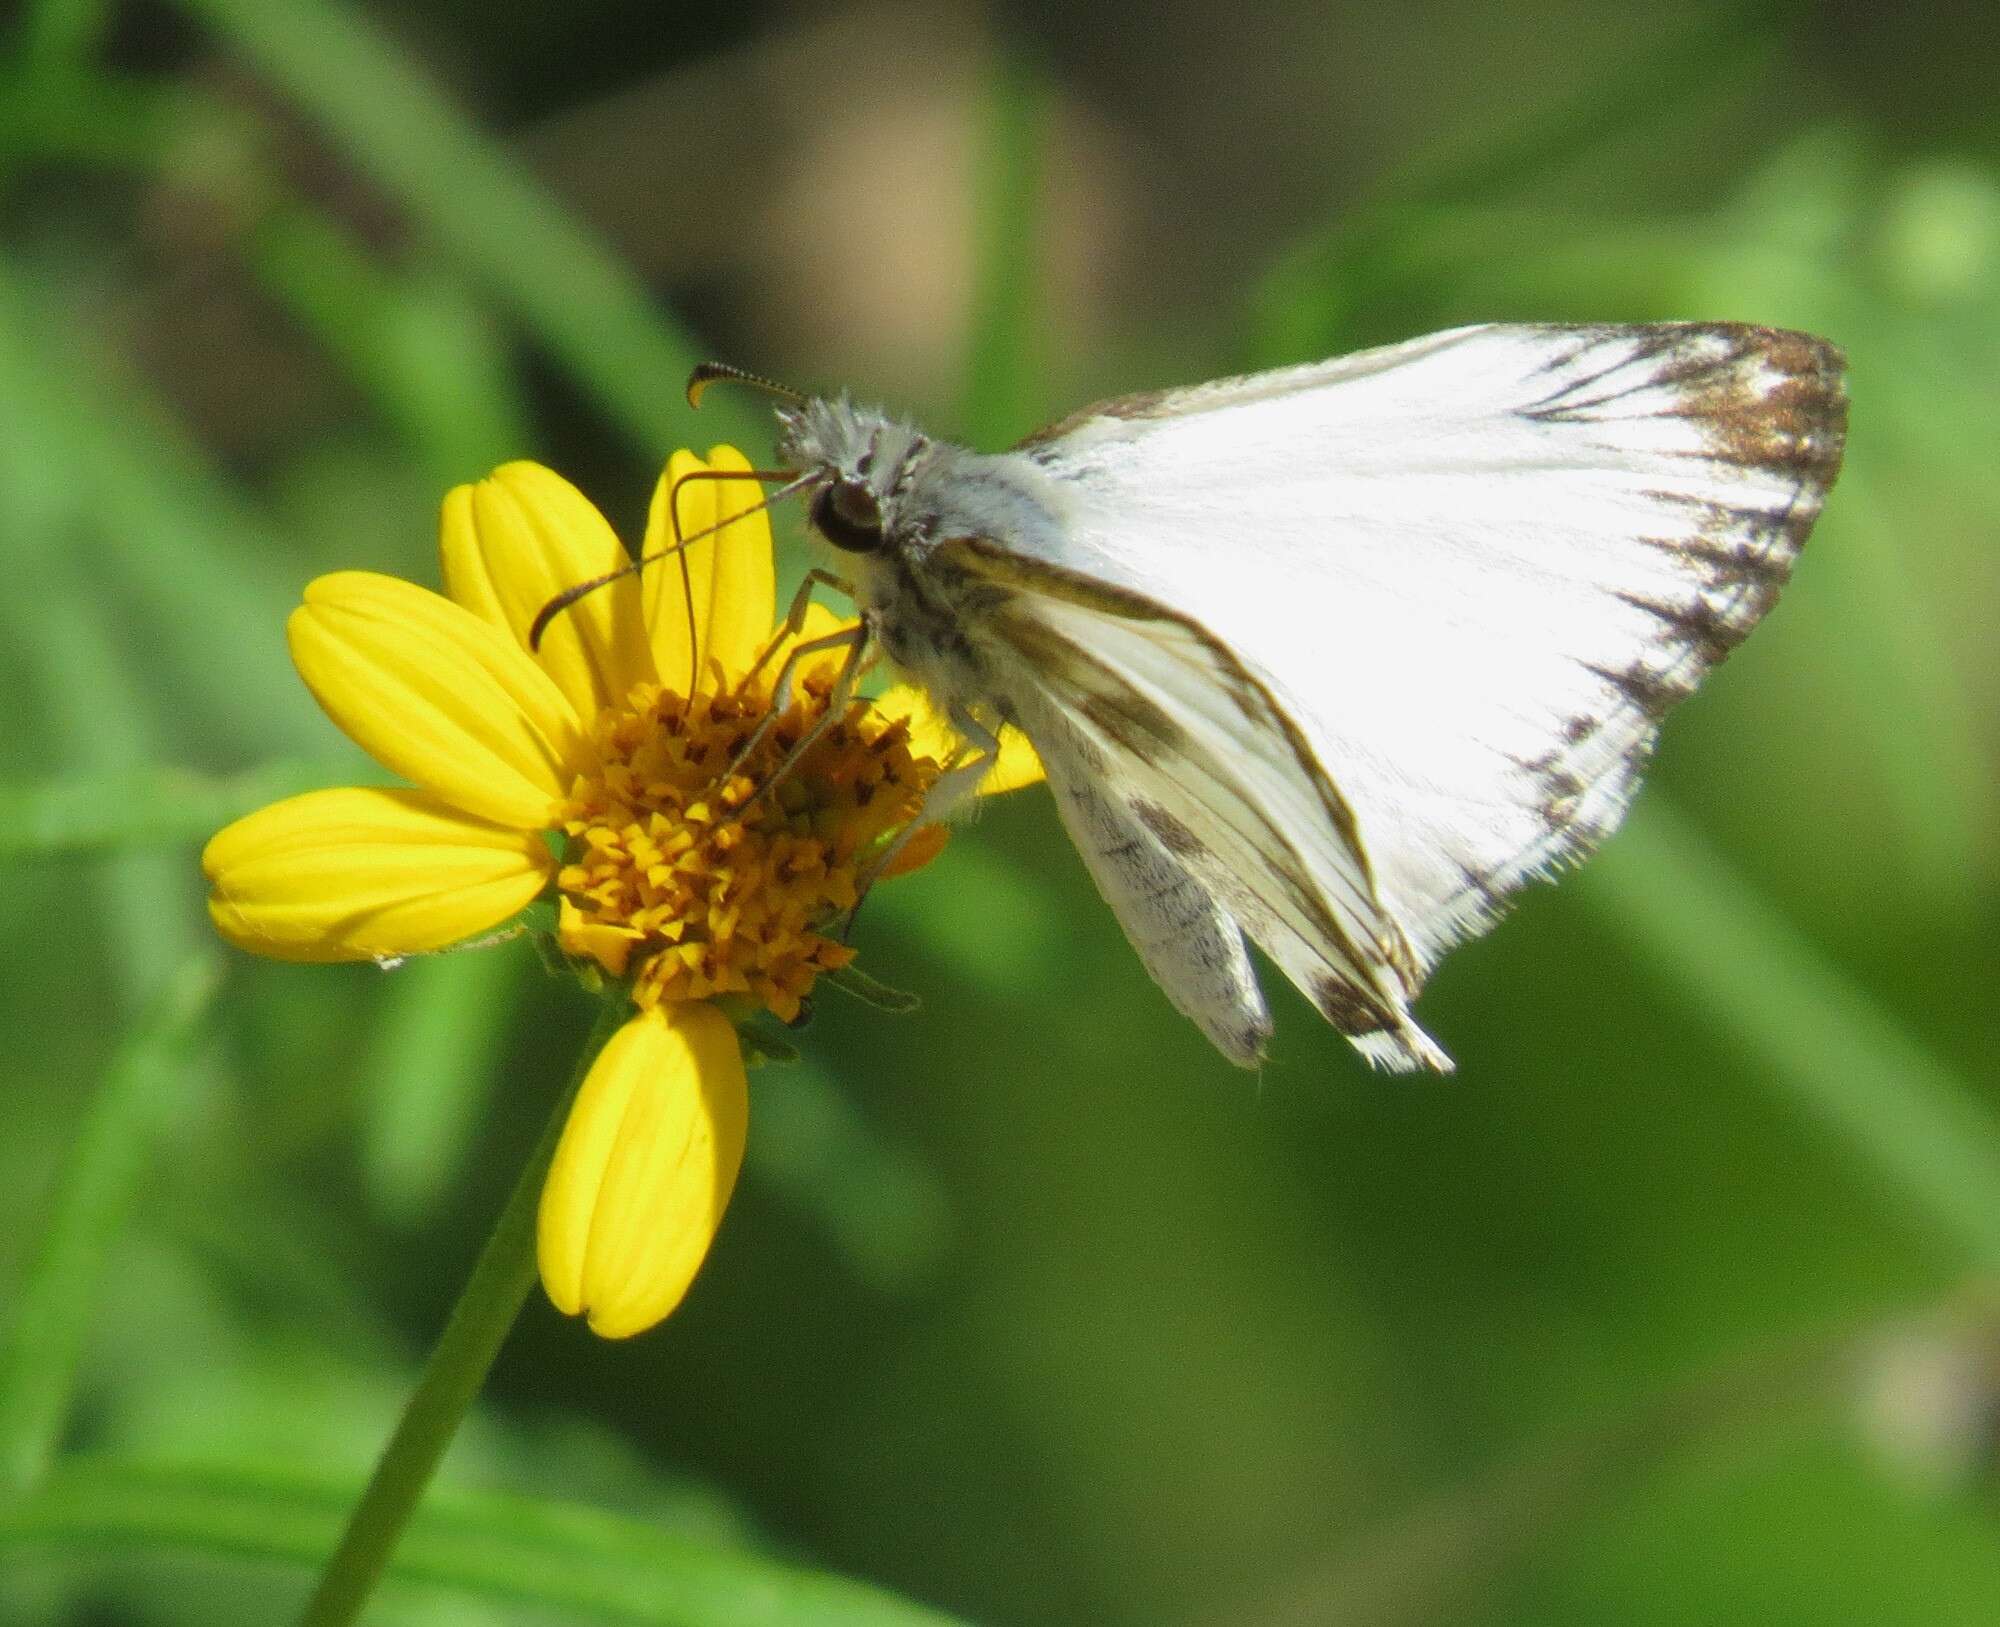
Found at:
(1670, 1308)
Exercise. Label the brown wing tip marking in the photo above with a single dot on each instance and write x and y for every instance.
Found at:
(1651, 690)
(1351, 1008)
(1760, 399)
(1707, 630)
(1774, 400)
(1736, 543)
(1766, 398)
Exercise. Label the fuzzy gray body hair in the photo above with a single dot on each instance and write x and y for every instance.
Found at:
(929, 492)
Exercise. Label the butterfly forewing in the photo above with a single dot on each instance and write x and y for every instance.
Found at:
(1473, 571)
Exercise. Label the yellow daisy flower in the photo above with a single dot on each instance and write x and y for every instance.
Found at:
(592, 770)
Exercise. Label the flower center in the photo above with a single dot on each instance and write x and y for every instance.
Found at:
(697, 886)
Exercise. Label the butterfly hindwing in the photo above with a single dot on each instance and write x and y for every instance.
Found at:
(1191, 948)
(1207, 764)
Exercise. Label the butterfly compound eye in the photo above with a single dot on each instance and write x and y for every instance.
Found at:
(848, 516)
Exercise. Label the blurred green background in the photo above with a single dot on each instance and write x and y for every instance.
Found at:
(1670, 1308)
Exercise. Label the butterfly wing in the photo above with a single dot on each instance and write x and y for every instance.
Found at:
(1152, 732)
(1466, 577)
(1193, 950)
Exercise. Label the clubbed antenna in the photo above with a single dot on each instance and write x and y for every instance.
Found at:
(707, 373)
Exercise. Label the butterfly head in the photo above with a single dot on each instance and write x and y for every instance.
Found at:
(857, 463)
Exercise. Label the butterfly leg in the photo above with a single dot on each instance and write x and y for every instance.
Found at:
(854, 642)
(960, 782)
(795, 620)
(950, 791)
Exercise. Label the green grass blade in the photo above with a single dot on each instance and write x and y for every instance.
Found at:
(90, 708)
(581, 1563)
(94, 708)
(1301, 308)
(154, 806)
(93, 471)
(55, 108)
(57, 1295)
(1915, 710)
(1819, 1035)
(494, 218)
(414, 342)
(1730, 41)
(63, 31)
(1005, 391)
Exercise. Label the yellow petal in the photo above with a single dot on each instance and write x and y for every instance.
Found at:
(644, 1169)
(932, 736)
(363, 874)
(730, 573)
(1016, 767)
(515, 540)
(439, 696)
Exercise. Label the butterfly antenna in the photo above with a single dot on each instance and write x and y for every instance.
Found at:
(679, 548)
(794, 482)
(707, 373)
(569, 596)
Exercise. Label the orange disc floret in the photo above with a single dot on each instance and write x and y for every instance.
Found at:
(698, 878)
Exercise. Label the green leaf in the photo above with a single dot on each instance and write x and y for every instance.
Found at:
(583, 1563)
(763, 1041)
(58, 1294)
(63, 31)
(540, 918)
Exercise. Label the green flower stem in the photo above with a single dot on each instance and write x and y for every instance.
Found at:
(458, 1365)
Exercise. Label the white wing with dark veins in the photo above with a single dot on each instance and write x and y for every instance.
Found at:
(1471, 573)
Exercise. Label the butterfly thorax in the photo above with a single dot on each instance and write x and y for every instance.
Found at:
(890, 499)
